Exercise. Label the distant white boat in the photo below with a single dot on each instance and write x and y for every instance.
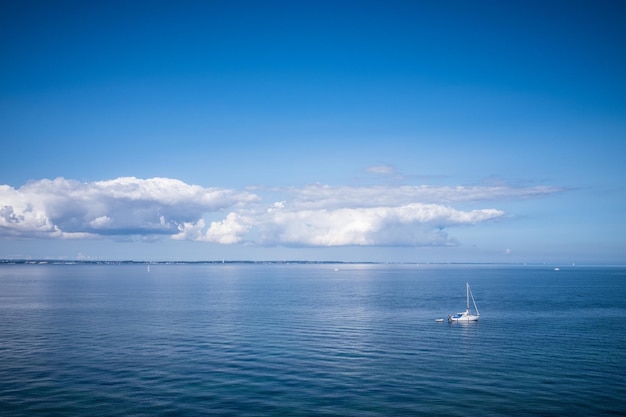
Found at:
(557, 269)
(467, 314)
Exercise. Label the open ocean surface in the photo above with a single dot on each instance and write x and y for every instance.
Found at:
(287, 339)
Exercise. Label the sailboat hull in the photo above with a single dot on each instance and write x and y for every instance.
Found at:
(462, 317)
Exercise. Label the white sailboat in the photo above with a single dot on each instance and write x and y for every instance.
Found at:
(466, 315)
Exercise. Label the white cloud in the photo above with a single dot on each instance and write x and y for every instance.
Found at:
(190, 230)
(324, 196)
(123, 206)
(381, 170)
(410, 225)
(228, 231)
(23, 216)
(314, 215)
(101, 222)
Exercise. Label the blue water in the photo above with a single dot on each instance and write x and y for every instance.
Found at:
(248, 339)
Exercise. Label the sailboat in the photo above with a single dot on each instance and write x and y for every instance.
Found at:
(466, 315)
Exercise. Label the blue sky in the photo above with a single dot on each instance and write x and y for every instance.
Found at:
(452, 131)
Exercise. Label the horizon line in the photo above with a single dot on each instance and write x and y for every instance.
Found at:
(21, 261)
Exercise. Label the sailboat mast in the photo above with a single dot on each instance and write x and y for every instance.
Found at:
(473, 301)
(468, 293)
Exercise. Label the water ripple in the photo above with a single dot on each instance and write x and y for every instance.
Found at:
(307, 341)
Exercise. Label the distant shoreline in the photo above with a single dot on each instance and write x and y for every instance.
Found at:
(285, 262)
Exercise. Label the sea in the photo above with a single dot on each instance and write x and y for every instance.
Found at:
(282, 339)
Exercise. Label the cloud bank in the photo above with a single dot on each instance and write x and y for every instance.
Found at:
(64, 208)
(314, 215)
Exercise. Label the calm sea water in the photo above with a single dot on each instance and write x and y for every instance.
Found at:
(189, 340)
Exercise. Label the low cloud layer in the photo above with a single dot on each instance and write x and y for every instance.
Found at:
(314, 215)
(124, 206)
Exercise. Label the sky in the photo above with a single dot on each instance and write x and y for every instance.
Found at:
(384, 131)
